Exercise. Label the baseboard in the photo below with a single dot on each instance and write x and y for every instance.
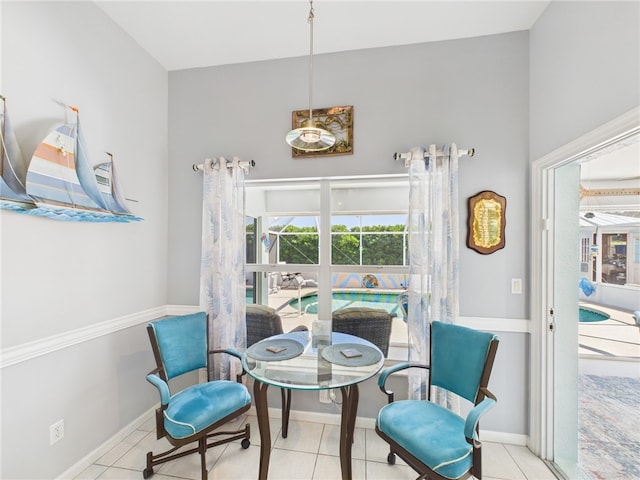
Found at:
(93, 456)
(503, 437)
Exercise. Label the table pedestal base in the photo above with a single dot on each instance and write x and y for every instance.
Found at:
(347, 426)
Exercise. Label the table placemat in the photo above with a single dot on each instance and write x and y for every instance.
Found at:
(259, 351)
(368, 355)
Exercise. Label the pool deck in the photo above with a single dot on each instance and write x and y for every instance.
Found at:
(610, 347)
(615, 338)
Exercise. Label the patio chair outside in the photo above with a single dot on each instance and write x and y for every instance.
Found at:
(295, 280)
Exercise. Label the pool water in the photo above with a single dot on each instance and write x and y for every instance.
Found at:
(592, 315)
(385, 300)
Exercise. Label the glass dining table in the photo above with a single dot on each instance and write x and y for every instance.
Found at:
(305, 361)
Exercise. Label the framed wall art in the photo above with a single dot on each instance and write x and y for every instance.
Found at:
(486, 223)
(337, 120)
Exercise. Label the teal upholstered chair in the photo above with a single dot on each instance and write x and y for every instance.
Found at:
(433, 440)
(192, 414)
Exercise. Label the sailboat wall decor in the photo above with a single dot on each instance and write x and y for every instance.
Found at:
(13, 168)
(62, 184)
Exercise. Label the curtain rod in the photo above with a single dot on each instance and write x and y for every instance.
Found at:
(439, 152)
(246, 165)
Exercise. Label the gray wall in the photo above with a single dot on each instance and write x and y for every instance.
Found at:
(585, 69)
(473, 92)
(60, 278)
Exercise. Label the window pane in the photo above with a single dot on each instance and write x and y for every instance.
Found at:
(295, 239)
(370, 290)
(300, 247)
(614, 258)
(345, 249)
(382, 249)
(368, 239)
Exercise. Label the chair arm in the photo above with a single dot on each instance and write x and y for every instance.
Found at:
(161, 385)
(229, 351)
(233, 353)
(382, 378)
(474, 415)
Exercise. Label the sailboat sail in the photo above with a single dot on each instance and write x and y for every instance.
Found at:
(106, 177)
(59, 173)
(13, 168)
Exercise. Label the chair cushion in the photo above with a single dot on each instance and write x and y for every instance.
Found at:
(196, 408)
(431, 433)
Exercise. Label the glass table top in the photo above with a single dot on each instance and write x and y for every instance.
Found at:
(301, 361)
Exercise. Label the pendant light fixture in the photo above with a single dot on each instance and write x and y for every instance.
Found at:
(310, 137)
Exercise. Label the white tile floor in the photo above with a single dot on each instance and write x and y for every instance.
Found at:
(310, 452)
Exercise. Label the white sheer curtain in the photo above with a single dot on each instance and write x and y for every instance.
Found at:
(222, 268)
(433, 252)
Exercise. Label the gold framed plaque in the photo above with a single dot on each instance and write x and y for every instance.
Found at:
(486, 222)
(337, 120)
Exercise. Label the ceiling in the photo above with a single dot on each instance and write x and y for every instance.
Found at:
(192, 34)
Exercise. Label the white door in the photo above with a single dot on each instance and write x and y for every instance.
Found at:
(564, 318)
(554, 285)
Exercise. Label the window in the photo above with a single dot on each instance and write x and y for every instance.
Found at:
(585, 254)
(614, 258)
(324, 238)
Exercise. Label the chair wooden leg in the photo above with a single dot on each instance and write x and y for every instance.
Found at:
(147, 472)
(476, 470)
(262, 411)
(347, 425)
(285, 393)
(202, 447)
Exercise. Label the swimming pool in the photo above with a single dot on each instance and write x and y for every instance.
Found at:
(592, 315)
(343, 299)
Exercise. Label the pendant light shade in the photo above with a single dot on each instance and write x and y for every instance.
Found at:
(310, 137)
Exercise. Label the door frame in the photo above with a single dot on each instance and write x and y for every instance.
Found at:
(541, 411)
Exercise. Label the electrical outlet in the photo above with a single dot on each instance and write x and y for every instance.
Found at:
(325, 396)
(516, 285)
(56, 432)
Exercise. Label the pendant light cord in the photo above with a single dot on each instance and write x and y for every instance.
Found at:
(309, 136)
(310, 20)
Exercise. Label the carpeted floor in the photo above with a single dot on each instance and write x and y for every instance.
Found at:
(609, 427)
